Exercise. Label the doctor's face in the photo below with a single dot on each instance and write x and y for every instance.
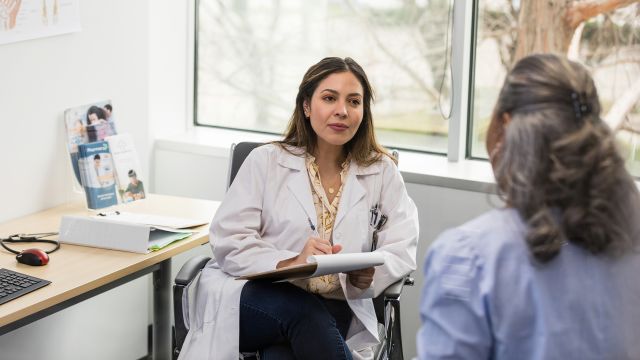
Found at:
(336, 109)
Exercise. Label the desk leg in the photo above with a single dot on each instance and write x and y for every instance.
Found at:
(162, 312)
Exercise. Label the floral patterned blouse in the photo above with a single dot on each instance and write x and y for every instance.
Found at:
(327, 286)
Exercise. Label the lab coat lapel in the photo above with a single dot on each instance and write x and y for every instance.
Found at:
(352, 193)
(301, 189)
(298, 183)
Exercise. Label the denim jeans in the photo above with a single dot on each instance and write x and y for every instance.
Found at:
(283, 321)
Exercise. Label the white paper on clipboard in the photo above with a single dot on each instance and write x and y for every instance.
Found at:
(318, 265)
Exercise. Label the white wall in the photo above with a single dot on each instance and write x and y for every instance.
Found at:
(109, 326)
(169, 71)
(39, 79)
(439, 208)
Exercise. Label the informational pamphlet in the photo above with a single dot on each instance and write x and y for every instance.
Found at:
(127, 167)
(96, 174)
(85, 124)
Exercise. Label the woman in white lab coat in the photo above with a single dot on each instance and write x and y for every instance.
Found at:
(311, 193)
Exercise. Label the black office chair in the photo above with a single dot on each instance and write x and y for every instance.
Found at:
(387, 304)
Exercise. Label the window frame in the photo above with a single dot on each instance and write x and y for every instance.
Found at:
(196, 23)
(472, 80)
(462, 53)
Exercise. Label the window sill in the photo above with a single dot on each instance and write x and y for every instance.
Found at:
(416, 168)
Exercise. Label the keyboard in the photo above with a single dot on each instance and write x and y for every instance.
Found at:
(14, 284)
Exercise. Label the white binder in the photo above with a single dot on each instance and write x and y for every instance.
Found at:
(114, 234)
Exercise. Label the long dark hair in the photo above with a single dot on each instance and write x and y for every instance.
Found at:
(363, 147)
(557, 163)
(98, 111)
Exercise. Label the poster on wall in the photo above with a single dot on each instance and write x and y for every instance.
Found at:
(31, 19)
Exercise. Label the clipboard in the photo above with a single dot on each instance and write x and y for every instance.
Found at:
(318, 265)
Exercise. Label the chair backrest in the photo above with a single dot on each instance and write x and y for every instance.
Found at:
(395, 154)
(239, 152)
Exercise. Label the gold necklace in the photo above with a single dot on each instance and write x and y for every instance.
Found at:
(332, 188)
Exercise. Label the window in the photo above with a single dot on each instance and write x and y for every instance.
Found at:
(607, 43)
(252, 54)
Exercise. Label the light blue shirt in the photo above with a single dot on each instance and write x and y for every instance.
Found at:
(486, 298)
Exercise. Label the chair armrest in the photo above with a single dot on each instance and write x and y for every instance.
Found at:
(190, 269)
(393, 291)
(185, 276)
(392, 343)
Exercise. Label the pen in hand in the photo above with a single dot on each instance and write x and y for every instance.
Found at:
(333, 249)
(313, 228)
(314, 246)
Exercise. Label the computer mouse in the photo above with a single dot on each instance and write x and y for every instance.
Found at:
(34, 257)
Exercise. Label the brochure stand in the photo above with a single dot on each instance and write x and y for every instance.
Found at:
(103, 163)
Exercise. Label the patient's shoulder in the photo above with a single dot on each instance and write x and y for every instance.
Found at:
(495, 234)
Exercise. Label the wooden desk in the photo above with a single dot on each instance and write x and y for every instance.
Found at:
(78, 272)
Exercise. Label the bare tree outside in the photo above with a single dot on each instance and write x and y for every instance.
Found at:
(253, 53)
(602, 34)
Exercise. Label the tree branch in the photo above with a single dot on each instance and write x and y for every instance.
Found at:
(580, 11)
(623, 105)
(397, 59)
(574, 47)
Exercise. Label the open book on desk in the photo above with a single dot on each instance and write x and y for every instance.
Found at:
(318, 265)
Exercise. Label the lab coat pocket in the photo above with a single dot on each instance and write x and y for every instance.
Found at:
(206, 301)
(367, 245)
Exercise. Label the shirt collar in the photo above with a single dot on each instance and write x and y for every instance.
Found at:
(296, 160)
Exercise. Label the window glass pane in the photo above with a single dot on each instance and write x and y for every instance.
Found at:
(607, 43)
(252, 54)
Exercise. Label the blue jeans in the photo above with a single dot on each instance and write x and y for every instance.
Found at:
(283, 321)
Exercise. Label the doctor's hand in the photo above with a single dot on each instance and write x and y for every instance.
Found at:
(362, 278)
(314, 246)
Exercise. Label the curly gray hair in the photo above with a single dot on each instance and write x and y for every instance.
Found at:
(556, 162)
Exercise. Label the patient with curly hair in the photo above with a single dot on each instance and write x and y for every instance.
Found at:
(554, 273)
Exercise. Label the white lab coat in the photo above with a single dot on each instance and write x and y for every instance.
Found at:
(264, 219)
